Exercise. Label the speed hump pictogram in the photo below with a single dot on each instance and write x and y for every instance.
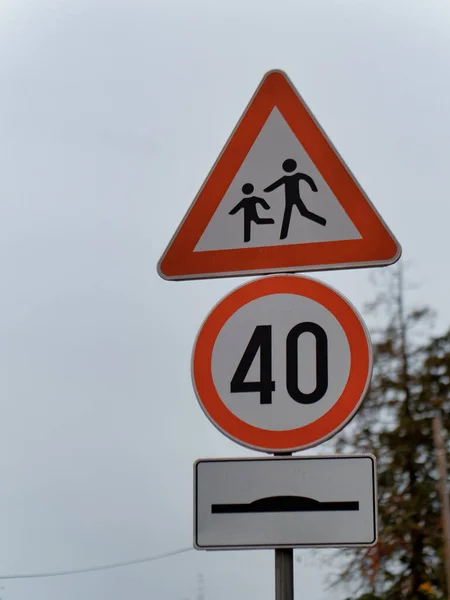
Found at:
(282, 363)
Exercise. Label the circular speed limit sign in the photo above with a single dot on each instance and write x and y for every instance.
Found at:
(281, 363)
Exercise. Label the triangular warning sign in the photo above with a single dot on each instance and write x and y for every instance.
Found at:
(278, 199)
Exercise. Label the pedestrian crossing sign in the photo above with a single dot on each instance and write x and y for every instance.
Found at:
(278, 199)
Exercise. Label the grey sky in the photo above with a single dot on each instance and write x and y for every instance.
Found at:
(111, 114)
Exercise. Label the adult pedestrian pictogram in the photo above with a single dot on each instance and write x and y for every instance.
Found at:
(291, 185)
(302, 209)
(249, 207)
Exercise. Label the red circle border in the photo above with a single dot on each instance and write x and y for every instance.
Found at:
(317, 431)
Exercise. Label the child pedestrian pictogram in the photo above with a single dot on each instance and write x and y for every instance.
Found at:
(292, 196)
(248, 205)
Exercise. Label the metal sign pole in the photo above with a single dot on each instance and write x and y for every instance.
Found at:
(284, 574)
(284, 568)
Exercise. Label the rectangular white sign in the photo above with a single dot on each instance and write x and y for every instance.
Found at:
(285, 502)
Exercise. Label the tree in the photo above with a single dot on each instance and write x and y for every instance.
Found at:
(411, 379)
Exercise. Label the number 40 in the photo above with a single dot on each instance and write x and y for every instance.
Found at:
(262, 340)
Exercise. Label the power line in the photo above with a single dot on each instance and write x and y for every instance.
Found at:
(128, 563)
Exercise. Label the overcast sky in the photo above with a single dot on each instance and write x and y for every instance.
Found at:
(111, 114)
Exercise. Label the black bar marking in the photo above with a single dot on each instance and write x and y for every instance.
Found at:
(276, 504)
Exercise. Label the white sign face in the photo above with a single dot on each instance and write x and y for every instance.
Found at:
(285, 502)
(324, 219)
(282, 363)
(282, 312)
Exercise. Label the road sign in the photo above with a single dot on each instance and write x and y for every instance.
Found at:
(278, 199)
(281, 363)
(285, 502)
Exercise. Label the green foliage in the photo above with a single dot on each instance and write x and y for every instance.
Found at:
(411, 380)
